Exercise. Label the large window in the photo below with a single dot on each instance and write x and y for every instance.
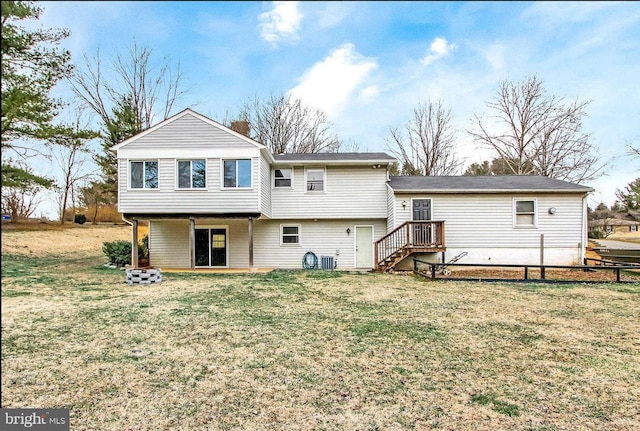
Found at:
(290, 235)
(525, 212)
(282, 178)
(192, 174)
(237, 173)
(144, 174)
(315, 180)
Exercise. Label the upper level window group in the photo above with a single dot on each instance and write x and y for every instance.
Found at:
(237, 173)
(144, 174)
(192, 174)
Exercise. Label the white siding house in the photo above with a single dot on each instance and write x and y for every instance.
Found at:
(215, 198)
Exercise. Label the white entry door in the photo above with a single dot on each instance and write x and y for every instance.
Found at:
(364, 247)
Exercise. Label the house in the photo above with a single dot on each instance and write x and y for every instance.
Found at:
(214, 198)
(614, 225)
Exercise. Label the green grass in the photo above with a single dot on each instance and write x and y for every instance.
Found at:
(316, 350)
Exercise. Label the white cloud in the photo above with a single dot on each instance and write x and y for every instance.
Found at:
(438, 49)
(330, 83)
(281, 23)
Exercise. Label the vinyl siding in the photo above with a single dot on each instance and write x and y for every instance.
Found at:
(168, 199)
(169, 242)
(390, 209)
(188, 136)
(350, 192)
(265, 187)
(324, 238)
(486, 221)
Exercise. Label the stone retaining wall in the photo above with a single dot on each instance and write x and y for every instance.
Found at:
(144, 276)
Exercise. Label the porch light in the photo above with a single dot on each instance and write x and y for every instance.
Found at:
(404, 204)
(348, 231)
(552, 210)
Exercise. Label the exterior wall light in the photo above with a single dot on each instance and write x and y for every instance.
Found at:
(348, 231)
(552, 210)
(404, 204)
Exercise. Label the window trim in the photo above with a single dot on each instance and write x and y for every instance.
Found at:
(324, 180)
(223, 187)
(289, 244)
(534, 213)
(177, 184)
(273, 183)
(144, 178)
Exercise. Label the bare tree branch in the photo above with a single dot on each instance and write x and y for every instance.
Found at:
(536, 133)
(285, 125)
(429, 146)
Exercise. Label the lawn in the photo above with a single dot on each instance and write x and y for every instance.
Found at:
(315, 350)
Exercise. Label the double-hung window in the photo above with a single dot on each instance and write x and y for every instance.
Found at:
(525, 212)
(315, 180)
(237, 173)
(143, 174)
(290, 235)
(282, 178)
(192, 174)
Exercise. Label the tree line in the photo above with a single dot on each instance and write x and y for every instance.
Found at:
(529, 131)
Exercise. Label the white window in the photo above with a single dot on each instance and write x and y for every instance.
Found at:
(290, 234)
(237, 173)
(633, 228)
(315, 180)
(525, 212)
(282, 178)
(192, 174)
(143, 174)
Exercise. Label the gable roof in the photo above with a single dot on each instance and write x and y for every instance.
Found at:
(484, 184)
(334, 158)
(179, 115)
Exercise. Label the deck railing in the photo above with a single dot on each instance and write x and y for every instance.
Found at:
(410, 235)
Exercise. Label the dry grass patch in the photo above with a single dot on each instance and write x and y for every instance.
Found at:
(317, 350)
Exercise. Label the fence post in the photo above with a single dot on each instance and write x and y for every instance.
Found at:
(618, 275)
(526, 272)
(433, 270)
(542, 275)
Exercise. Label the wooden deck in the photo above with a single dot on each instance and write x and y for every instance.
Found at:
(409, 238)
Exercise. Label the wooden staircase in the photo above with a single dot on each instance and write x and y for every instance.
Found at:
(408, 238)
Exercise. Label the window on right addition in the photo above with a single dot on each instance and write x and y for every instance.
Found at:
(524, 212)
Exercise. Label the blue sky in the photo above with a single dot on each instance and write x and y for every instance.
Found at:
(368, 64)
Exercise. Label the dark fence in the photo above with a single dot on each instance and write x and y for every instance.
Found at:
(616, 267)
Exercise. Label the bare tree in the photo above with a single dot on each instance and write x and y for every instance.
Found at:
(429, 147)
(285, 125)
(20, 194)
(633, 150)
(129, 95)
(70, 159)
(537, 133)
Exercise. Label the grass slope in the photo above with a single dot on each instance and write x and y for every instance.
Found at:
(317, 350)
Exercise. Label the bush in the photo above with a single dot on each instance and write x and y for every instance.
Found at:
(596, 234)
(119, 252)
(80, 218)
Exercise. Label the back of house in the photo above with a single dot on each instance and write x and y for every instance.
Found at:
(214, 198)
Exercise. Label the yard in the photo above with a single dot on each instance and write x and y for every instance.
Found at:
(295, 350)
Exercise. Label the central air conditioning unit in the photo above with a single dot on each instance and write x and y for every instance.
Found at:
(327, 262)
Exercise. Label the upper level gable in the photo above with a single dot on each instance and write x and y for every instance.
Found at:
(186, 134)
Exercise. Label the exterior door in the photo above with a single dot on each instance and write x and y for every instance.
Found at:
(421, 211)
(211, 247)
(364, 247)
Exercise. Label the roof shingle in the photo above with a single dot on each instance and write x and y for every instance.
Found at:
(484, 184)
